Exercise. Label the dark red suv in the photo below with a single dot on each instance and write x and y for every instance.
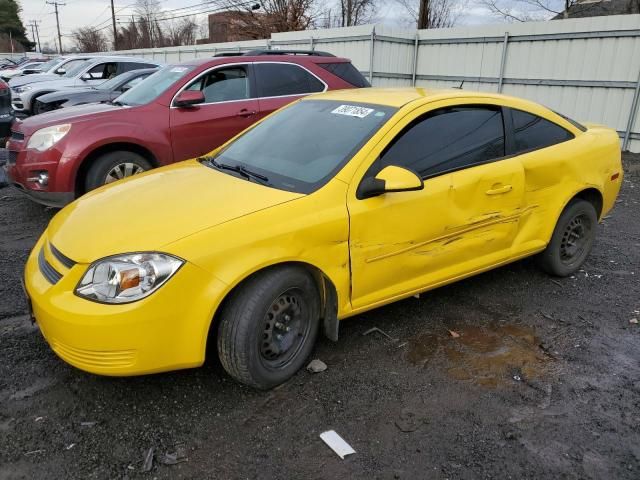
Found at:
(180, 112)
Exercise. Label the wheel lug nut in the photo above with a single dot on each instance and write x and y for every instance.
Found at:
(279, 337)
(279, 326)
(287, 318)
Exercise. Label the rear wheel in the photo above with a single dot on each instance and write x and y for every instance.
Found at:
(571, 241)
(114, 166)
(268, 327)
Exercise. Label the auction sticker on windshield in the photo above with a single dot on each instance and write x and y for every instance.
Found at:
(352, 111)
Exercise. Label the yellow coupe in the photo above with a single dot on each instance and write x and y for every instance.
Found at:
(337, 204)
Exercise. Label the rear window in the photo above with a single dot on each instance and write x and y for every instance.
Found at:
(347, 72)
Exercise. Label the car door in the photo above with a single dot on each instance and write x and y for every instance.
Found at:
(229, 108)
(279, 84)
(464, 219)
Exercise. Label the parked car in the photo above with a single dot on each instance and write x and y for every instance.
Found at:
(54, 71)
(180, 112)
(91, 72)
(105, 92)
(6, 112)
(335, 205)
(9, 73)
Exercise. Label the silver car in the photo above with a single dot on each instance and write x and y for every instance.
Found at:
(54, 70)
(88, 73)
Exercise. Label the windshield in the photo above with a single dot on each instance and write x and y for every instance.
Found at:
(73, 67)
(154, 85)
(46, 66)
(302, 147)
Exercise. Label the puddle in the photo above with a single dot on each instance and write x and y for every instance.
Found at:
(487, 355)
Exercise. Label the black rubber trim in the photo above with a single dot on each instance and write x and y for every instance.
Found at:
(47, 270)
(62, 258)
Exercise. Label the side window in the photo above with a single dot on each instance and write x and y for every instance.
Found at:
(279, 79)
(103, 71)
(448, 139)
(128, 66)
(223, 84)
(531, 132)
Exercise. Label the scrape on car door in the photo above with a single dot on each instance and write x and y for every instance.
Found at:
(465, 218)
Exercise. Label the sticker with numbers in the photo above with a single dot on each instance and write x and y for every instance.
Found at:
(352, 111)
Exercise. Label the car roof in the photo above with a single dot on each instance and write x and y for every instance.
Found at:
(398, 97)
(240, 58)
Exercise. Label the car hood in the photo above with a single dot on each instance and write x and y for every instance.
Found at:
(66, 115)
(54, 84)
(151, 210)
(36, 77)
(72, 93)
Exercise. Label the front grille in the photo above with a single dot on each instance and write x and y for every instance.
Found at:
(47, 270)
(62, 258)
(19, 136)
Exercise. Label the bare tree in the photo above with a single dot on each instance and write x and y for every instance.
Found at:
(357, 12)
(432, 13)
(272, 16)
(90, 40)
(147, 10)
(528, 10)
(181, 32)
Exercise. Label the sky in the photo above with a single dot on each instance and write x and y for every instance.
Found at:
(97, 13)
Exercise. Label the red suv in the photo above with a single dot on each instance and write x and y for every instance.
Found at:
(180, 112)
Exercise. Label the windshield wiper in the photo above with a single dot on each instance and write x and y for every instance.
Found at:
(242, 170)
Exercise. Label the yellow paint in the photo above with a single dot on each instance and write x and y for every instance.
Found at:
(373, 251)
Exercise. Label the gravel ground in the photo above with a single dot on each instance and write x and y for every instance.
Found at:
(510, 374)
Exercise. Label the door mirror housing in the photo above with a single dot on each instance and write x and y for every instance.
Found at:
(61, 71)
(189, 98)
(390, 179)
(86, 76)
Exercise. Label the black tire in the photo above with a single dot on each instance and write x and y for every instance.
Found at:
(36, 105)
(100, 172)
(247, 345)
(571, 241)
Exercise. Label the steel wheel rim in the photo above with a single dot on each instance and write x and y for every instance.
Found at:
(575, 239)
(122, 170)
(285, 329)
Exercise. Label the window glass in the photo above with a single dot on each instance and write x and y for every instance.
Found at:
(532, 132)
(104, 71)
(154, 85)
(448, 139)
(347, 72)
(223, 85)
(278, 79)
(301, 147)
(74, 67)
(128, 66)
(133, 82)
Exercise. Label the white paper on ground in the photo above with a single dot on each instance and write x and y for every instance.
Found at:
(337, 444)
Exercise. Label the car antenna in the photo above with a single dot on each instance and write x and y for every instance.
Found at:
(459, 87)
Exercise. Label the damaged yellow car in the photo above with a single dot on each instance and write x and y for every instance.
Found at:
(337, 204)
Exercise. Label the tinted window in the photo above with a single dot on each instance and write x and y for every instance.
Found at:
(154, 85)
(346, 72)
(277, 79)
(448, 139)
(128, 66)
(531, 132)
(103, 71)
(223, 85)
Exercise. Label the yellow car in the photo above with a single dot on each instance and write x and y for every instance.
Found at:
(335, 205)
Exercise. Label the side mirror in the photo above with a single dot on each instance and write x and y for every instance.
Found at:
(86, 76)
(389, 179)
(189, 98)
(125, 88)
(61, 71)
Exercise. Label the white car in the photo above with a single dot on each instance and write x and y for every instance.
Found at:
(88, 73)
(51, 70)
(15, 72)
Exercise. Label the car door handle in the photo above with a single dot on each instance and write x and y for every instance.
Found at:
(245, 113)
(499, 189)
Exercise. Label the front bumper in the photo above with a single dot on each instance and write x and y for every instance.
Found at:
(23, 166)
(165, 331)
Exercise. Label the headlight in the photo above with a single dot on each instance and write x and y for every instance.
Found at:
(127, 278)
(47, 137)
(26, 88)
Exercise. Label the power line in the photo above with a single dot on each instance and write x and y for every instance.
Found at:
(56, 5)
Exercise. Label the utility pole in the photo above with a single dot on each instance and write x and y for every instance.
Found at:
(56, 5)
(35, 34)
(115, 32)
(423, 15)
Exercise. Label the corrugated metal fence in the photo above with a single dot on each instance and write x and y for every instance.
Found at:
(586, 68)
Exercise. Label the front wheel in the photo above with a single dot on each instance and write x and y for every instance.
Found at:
(268, 326)
(571, 241)
(114, 166)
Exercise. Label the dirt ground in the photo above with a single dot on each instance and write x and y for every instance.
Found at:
(540, 379)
